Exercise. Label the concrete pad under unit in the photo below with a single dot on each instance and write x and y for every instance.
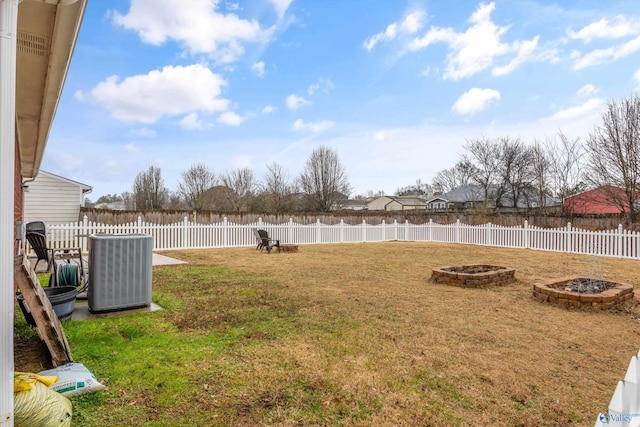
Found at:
(81, 311)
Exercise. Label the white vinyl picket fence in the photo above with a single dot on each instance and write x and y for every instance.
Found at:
(619, 243)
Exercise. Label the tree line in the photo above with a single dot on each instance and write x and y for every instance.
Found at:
(506, 166)
(320, 186)
(557, 168)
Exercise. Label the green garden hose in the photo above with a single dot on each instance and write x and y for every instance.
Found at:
(68, 275)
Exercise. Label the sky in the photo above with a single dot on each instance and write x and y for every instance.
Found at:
(396, 88)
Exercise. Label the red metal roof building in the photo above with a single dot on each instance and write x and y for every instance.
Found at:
(599, 201)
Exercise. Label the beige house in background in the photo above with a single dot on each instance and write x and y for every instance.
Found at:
(397, 203)
(53, 199)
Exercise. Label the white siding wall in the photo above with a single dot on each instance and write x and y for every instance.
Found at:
(52, 199)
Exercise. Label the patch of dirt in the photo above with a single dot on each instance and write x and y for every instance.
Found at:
(30, 355)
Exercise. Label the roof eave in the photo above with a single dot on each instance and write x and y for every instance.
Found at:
(39, 81)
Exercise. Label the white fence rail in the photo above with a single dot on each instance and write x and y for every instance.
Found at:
(188, 235)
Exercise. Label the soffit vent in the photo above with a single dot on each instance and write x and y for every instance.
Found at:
(32, 44)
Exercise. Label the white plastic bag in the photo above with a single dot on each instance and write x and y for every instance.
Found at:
(74, 379)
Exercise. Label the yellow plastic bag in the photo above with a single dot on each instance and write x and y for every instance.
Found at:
(36, 405)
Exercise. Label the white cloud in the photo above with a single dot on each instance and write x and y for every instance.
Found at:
(600, 56)
(588, 107)
(196, 25)
(281, 6)
(313, 127)
(524, 49)
(131, 148)
(636, 77)
(171, 91)
(192, 121)
(382, 135)
(258, 68)
(477, 48)
(587, 90)
(410, 24)
(268, 109)
(144, 132)
(230, 118)
(603, 29)
(475, 100)
(232, 6)
(324, 84)
(294, 102)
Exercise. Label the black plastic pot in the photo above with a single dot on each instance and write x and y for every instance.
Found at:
(62, 298)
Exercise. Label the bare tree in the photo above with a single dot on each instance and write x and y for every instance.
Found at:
(448, 179)
(484, 156)
(243, 186)
(515, 171)
(128, 199)
(541, 172)
(418, 189)
(149, 191)
(195, 182)
(613, 151)
(324, 179)
(566, 166)
(277, 189)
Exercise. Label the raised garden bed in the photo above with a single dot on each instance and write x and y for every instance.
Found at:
(583, 292)
(473, 276)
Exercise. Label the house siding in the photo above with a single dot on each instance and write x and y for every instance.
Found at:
(379, 204)
(52, 199)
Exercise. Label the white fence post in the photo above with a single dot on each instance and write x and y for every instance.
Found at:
(619, 237)
(569, 238)
(457, 232)
(406, 229)
(395, 229)
(384, 230)
(488, 238)
(84, 232)
(260, 223)
(364, 230)
(290, 231)
(225, 232)
(342, 231)
(525, 236)
(318, 233)
(430, 230)
(185, 231)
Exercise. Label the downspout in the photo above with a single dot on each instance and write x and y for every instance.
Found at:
(8, 31)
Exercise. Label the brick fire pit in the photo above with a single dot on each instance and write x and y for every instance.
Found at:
(473, 276)
(559, 292)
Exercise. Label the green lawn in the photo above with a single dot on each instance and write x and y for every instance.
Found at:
(355, 335)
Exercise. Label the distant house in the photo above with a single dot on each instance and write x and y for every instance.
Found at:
(598, 201)
(438, 203)
(472, 196)
(114, 206)
(397, 203)
(53, 199)
(353, 205)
